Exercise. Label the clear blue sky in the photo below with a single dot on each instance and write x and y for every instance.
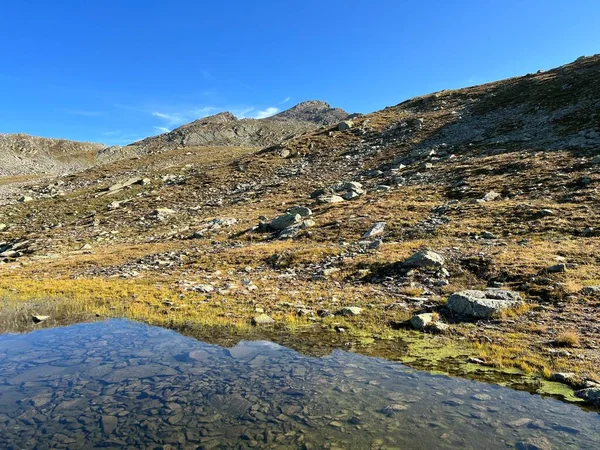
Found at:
(114, 71)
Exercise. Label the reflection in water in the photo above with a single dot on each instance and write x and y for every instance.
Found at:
(120, 384)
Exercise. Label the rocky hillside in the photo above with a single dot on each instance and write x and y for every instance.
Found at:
(224, 129)
(398, 219)
(22, 154)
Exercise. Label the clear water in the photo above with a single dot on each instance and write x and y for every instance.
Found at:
(119, 384)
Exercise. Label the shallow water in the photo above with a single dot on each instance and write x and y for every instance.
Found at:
(120, 384)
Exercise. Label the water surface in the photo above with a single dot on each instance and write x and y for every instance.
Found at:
(121, 384)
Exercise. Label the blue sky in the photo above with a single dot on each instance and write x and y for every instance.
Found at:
(115, 71)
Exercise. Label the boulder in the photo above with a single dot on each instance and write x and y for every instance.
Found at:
(3, 226)
(591, 395)
(375, 230)
(350, 311)
(25, 199)
(284, 221)
(557, 268)
(330, 199)
(345, 125)
(490, 196)
(342, 186)
(425, 259)
(262, 320)
(483, 304)
(420, 321)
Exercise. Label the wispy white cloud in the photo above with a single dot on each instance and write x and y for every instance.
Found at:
(243, 112)
(264, 113)
(285, 100)
(174, 119)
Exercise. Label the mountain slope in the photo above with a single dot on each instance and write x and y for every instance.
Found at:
(502, 180)
(22, 154)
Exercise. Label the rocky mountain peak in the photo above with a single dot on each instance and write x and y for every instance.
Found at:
(314, 111)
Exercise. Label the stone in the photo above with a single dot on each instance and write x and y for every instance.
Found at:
(262, 320)
(375, 230)
(284, 221)
(204, 288)
(483, 304)
(162, 213)
(350, 311)
(330, 199)
(425, 259)
(303, 211)
(438, 327)
(25, 199)
(420, 321)
(307, 223)
(38, 319)
(342, 186)
(591, 395)
(563, 377)
(490, 196)
(350, 195)
(345, 125)
(557, 268)
(534, 443)
(591, 291)
(109, 423)
(3, 226)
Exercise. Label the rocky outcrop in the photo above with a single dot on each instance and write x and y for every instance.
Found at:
(482, 304)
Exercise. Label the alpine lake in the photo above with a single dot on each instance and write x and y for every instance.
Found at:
(118, 384)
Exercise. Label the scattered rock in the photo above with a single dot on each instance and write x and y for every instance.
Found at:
(591, 291)
(420, 321)
(284, 221)
(25, 199)
(591, 395)
(345, 125)
(557, 268)
(350, 311)
(109, 424)
(425, 259)
(161, 214)
(262, 320)
(38, 319)
(482, 304)
(330, 199)
(377, 229)
(490, 196)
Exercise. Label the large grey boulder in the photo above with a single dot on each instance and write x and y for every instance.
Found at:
(425, 259)
(284, 221)
(483, 304)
